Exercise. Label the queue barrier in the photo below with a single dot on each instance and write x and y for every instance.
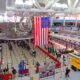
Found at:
(58, 63)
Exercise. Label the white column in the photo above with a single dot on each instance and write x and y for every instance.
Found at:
(51, 19)
(76, 21)
(64, 21)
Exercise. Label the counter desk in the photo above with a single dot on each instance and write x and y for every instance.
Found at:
(75, 61)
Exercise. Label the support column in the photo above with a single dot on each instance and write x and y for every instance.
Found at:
(51, 19)
(76, 21)
(64, 22)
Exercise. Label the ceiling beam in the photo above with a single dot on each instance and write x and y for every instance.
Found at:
(69, 2)
(70, 7)
(37, 4)
(76, 3)
(41, 10)
(52, 3)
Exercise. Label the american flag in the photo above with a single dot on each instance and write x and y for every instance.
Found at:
(41, 30)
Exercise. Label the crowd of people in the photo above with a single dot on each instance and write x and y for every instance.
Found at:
(25, 44)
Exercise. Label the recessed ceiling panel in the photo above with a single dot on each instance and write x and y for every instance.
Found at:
(2, 5)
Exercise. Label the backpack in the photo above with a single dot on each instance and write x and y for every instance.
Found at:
(14, 71)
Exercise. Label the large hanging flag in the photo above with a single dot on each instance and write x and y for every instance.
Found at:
(41, 30)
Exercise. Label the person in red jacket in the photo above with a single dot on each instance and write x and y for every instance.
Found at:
(37, 66)
(37, 69)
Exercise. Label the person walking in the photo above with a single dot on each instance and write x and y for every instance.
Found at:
(67, 72)
(33, 52)
(14, 72)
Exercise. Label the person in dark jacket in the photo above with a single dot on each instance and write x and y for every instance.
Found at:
(67, 72)
(48, 49)
(10, 47)
(14, 72)
(5, 70)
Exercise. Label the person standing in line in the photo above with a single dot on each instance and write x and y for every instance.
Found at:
(37, 67)
(5, 70)
(56, 54)
(33, 51)
(45, 46)
(68, 59)
(64, 60)
(48, 49)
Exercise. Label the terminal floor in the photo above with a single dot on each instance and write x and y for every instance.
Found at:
(14, 57)
(18, 55)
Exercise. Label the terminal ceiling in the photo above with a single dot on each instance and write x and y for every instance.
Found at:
(30, 7)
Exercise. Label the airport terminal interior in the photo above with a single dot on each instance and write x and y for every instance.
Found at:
(39, 39)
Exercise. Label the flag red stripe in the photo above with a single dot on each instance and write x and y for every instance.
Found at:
(39, 29)
(34, 29)
(48, 37)
(43, 36)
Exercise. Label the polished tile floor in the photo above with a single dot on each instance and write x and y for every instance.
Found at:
(14, 58)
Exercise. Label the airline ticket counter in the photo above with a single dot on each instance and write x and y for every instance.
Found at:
(75, 61)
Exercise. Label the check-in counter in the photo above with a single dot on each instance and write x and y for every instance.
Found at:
(75, 61)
